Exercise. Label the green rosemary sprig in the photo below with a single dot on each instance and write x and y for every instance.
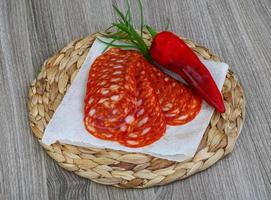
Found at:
(115, 45)
(124, 30)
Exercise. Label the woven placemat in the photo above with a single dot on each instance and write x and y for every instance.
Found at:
(118, 168)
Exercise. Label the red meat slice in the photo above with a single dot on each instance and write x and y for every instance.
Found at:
(179, 104)
(148, 123)
(111, 91)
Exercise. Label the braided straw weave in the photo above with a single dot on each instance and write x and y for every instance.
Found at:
(118, 168)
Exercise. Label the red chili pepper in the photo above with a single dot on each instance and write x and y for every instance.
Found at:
(171, 52)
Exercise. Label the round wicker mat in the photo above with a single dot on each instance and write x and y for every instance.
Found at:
(122, 169)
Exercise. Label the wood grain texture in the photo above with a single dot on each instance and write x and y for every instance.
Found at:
(31, 31)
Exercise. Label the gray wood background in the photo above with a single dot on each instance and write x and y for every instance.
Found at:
(32, 30)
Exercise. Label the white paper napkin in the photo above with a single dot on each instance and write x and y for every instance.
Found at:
(179, 142)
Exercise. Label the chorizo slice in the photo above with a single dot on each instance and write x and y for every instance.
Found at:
(111, 93)
(148, 123)
(179, 104)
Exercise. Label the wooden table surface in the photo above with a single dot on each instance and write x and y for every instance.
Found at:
(32, 30)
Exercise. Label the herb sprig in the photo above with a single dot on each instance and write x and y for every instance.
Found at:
(125, 30)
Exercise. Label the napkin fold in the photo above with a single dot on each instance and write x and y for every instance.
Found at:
(179, 143)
